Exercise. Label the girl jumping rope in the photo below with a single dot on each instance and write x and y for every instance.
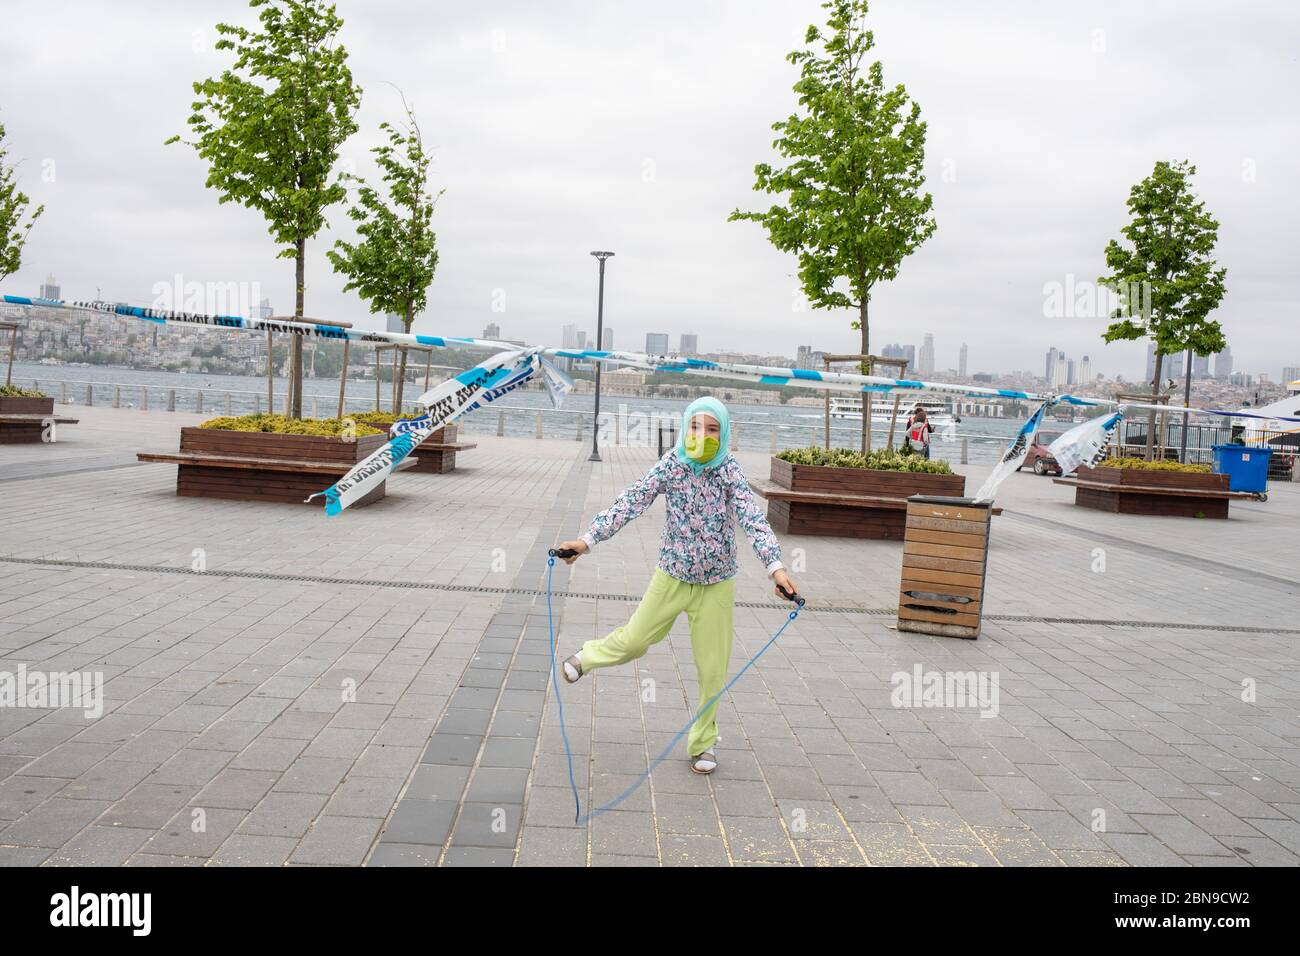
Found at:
(706, 493)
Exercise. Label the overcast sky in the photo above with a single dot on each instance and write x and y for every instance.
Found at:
(566, 127)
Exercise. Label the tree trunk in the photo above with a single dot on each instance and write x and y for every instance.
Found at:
(407, 321)
(866, 370)
(1155, 392)
(295, 364)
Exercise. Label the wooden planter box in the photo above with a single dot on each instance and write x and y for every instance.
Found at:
(23, 420)
(258, 466)
(1137, 492)
(945, 555)
(26, 406)
(848, 502)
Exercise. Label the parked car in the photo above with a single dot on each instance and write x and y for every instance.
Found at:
(1039, 457)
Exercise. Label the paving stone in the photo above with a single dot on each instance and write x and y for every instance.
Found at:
(425, 822)
(283, 815)
(488, 825)
(404, 854)
(246, 849)
(336, 841)
(52, 823)
(758, 839)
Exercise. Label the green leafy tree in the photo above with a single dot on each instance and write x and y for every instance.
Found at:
(15, 222)
(271, 127)
(1165, 274)
(855, 208)
(392, 266)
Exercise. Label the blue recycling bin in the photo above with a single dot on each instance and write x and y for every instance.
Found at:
(1246, 466)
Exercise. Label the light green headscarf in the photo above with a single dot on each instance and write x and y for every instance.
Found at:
(709, 406)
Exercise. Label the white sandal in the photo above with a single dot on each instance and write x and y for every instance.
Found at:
(706, 762)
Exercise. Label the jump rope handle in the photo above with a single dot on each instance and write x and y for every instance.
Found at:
(562, 552)
(790, 595)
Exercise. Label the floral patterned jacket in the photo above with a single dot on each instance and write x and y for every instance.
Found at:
(698, 544)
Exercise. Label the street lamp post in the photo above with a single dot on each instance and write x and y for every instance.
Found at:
(600, 335)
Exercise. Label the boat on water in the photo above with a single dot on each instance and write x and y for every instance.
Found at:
(1261, 429)
(882, 410)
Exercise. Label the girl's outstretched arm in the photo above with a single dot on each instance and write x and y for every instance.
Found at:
(630, 503)
(746, 509)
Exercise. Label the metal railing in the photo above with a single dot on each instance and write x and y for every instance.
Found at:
(1131, 441)
(624, 425)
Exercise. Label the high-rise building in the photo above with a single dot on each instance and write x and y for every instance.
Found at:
(1061, 373)
(493, 331)
(569, 337)
(894, 350)
(1049, 370)
(1200, 366)
(264, 309)
(961, 361)
(1069, 372)
(394, 322)
(608, 344)
(803, 357)
(656, 343)
(1085, 371)
(50, 288)
(925, 362)
(689, 344)
(1173, 367)
(1223, 363)
(580, 339)
(1290, 373)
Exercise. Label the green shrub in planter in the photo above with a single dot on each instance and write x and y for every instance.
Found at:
(882, 460)
(13, 391)
(1141, 464)
(382, 420)
(378, 419)
(280, 425)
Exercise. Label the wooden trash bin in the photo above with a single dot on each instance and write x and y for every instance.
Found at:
(945, 553)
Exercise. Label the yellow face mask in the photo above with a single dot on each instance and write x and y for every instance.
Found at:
(701, 447)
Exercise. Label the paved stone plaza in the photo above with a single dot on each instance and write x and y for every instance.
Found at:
(274, 708)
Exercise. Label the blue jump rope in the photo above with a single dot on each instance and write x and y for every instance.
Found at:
(578, 817)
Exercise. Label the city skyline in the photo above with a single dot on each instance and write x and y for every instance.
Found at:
(1059, 370)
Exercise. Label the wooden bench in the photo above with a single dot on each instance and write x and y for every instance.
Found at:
(872, 516)
(20, 428)
(200, 475)
(1152, 499)
(258, 466)
(439, 457)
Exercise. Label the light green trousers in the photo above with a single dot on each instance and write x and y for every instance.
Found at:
(709, 609)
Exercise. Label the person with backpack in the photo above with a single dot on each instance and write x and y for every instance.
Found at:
(918, 433)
